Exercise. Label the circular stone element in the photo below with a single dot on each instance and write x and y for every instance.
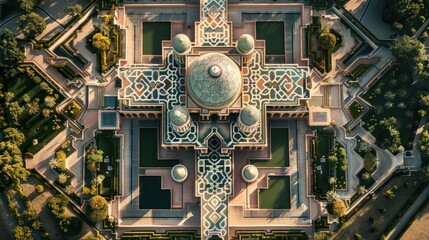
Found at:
(181, 44)
(249, 173)
(179, 173)
(215, 71)
(250, 115)
(214, 81)
(179, 115)
(245, 44)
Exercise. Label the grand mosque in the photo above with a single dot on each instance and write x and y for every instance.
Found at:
(218, 104)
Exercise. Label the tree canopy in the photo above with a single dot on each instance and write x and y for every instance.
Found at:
(101, 42)
(14, 135)
(12, 52)
(27, 5)
(32, 24)
(391, 136)
(337, 208)
(410, 54)
(327, 40)
(98, 209)
(74, 10)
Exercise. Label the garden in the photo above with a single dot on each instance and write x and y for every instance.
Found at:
(105, 41)
(279, 150)
(321, 43)
(322, 147)
(109, 167)
(355, 109)
(369, 155)
(354, 76)
(30, 103)
(394, 118)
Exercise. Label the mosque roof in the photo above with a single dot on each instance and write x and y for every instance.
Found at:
(214, 81)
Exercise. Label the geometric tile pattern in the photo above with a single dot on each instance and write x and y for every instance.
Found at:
(214, 186)
(213, 29)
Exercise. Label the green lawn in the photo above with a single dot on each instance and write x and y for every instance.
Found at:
(151, 195)
(274, 35)
(277, 196)
(279, 150)
(153, 34)
(323, 148)
(149, 149)
(403, 106)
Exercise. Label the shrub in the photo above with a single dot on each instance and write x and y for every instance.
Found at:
(39, 188)
(337, 208)
(97, 202)
(98, 209)
(389, 194)
(58, 205)
(100, 42)
(327, 40)
(71, 225)
(61, 155)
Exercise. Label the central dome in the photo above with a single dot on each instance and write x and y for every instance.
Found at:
(214, 81)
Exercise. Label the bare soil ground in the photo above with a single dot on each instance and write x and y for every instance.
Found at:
(419, 227)
(370, 222)
(39, 202)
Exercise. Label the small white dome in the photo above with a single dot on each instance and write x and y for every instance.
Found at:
(245, 44)
(181, 44)
(250, 115)
(250, 173)
(178, 115)
(179, 173)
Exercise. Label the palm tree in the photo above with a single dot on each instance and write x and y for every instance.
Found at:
(332, 180)
(364, 147)
(62, 178)
(389, 95)
(50, 101)
(362, 190)
(331, 196)
(26, 98)
(33, 108)
(54, 163)
(366, 176)
(69, 189)
(46, 112)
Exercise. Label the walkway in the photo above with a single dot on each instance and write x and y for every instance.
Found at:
(411, 212)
